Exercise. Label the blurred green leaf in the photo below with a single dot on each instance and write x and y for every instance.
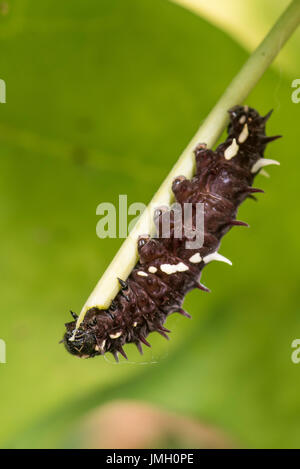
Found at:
(248, 22)
(101, 99)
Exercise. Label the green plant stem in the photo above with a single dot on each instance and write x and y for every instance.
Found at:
(208, 133)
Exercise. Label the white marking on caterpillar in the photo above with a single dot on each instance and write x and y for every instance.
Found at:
(232, 150)
(101, 346)
(135, 324)
(142, 274)
(181, 267)
(196, 258)
(116, 335)
(71, 339)
(215, 256)
(152, 269)
(168, 269)
(246, 108)
(261, 163)
(242, 120)
(173, 268)
(244, 134)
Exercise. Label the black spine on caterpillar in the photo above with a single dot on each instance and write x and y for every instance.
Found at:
(167, 269)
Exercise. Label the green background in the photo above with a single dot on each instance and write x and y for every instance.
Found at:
(102, 96)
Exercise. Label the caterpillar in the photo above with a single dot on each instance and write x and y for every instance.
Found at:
(167, 270)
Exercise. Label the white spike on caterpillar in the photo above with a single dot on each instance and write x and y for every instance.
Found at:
(264, 173)
(232, 150)
(261, 163)
(215, 256)
(244, 134)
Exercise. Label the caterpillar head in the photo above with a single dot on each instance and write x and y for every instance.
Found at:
(81, 343)
(90, 337)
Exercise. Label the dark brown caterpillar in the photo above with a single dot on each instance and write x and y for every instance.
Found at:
(167, 270)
